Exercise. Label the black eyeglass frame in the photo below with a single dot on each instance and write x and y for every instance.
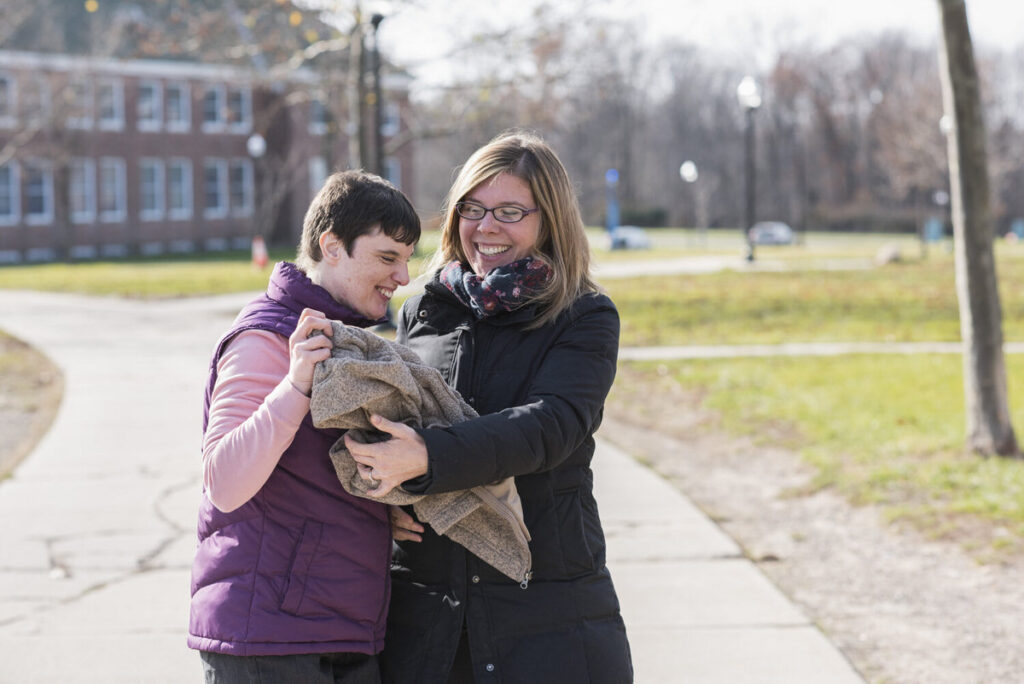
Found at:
(525, 212)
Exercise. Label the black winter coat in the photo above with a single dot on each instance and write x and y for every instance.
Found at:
(540, 394)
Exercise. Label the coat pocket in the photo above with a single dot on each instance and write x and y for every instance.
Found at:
(576, 553)
(298, 572)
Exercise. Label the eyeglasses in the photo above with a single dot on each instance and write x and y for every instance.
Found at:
(506, 213)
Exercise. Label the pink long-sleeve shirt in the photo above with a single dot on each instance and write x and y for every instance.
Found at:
(255, 412)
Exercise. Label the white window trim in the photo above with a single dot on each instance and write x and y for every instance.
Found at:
(117, 215)
(117, 123)
(15, 189)
(10, 118)
(85, 121)
(392, 122)
(245, 125)
(221, 123)
(87, 215)
(248, 186)
(221, 211)
(157, 122)
(159, 189)
(182, 213)
(46, 217)
(186, 98)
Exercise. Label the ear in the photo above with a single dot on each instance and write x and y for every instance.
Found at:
(330, 246)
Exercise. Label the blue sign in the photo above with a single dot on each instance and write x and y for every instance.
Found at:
(611, 178)
(933, 230)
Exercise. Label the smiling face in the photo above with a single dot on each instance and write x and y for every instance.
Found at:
(365, 280)
(488, 243)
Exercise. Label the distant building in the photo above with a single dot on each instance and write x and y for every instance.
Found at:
(103, 157)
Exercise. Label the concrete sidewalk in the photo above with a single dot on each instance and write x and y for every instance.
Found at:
(98, 523)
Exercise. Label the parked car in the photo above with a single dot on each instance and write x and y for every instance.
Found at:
(629, 237)
(771, 233)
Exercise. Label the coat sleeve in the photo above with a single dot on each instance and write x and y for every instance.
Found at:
(563, 409)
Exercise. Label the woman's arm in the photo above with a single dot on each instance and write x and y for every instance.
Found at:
(564, 404)
(258, 403)
(563, 408)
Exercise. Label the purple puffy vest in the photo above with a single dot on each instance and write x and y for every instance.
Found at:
(302, 567)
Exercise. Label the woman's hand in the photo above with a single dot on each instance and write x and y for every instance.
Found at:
(389, 463)
(403, 526)
(305, 351)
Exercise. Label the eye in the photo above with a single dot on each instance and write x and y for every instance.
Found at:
(388, 259)
(509, 213)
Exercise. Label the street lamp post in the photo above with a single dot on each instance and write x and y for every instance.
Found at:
(378, 99)
(749, 95)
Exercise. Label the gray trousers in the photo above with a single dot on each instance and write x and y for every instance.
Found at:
(315, 668)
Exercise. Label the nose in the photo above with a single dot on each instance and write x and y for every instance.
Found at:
(488, 224)
(401, 274)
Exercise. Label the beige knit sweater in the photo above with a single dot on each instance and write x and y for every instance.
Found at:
(368, 375)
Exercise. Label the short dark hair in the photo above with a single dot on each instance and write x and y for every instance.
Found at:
(352, 204)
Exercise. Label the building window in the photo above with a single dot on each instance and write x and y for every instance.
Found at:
(213, 109)
(393, 171)
(179, 107)
(110, 104)
(391, 120)
(317, 175)
(179, 188)
(8, 100)
(215, 188)
(240, 175)
(240, 109)
(319, 117)
(150, 106)
(112, 192)
(82, 190)
(151, 189)
(10, 194)
(78, 103)
(38, 192)
(35, 100)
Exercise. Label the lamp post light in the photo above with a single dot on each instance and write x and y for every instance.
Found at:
(749, 95)
(688, 172)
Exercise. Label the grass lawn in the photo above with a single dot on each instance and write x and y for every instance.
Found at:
(886, 430)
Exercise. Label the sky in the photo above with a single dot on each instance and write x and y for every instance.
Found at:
(417, 35)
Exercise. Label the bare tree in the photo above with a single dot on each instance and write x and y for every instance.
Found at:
(989, 430)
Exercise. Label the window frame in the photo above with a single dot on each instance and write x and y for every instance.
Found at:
(184, 212)
(219, 211)
(46, 167)
(120, 213)
(88, 166)
(116, 123)
(157, 211)
(185, 123)
(156, 122)
(14, 188)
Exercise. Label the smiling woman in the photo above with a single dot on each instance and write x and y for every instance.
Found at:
(31, 387)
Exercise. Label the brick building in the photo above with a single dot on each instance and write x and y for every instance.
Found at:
(104, 157)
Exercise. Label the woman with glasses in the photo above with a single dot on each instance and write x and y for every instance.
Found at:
(513, 320)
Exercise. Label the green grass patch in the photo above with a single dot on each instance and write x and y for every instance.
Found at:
(885, 430)
(905, 302)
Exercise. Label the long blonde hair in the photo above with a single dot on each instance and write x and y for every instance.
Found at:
(562, 242)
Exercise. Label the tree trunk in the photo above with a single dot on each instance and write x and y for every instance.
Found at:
(989, 430)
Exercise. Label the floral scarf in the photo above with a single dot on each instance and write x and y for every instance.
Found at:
(505, 288)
